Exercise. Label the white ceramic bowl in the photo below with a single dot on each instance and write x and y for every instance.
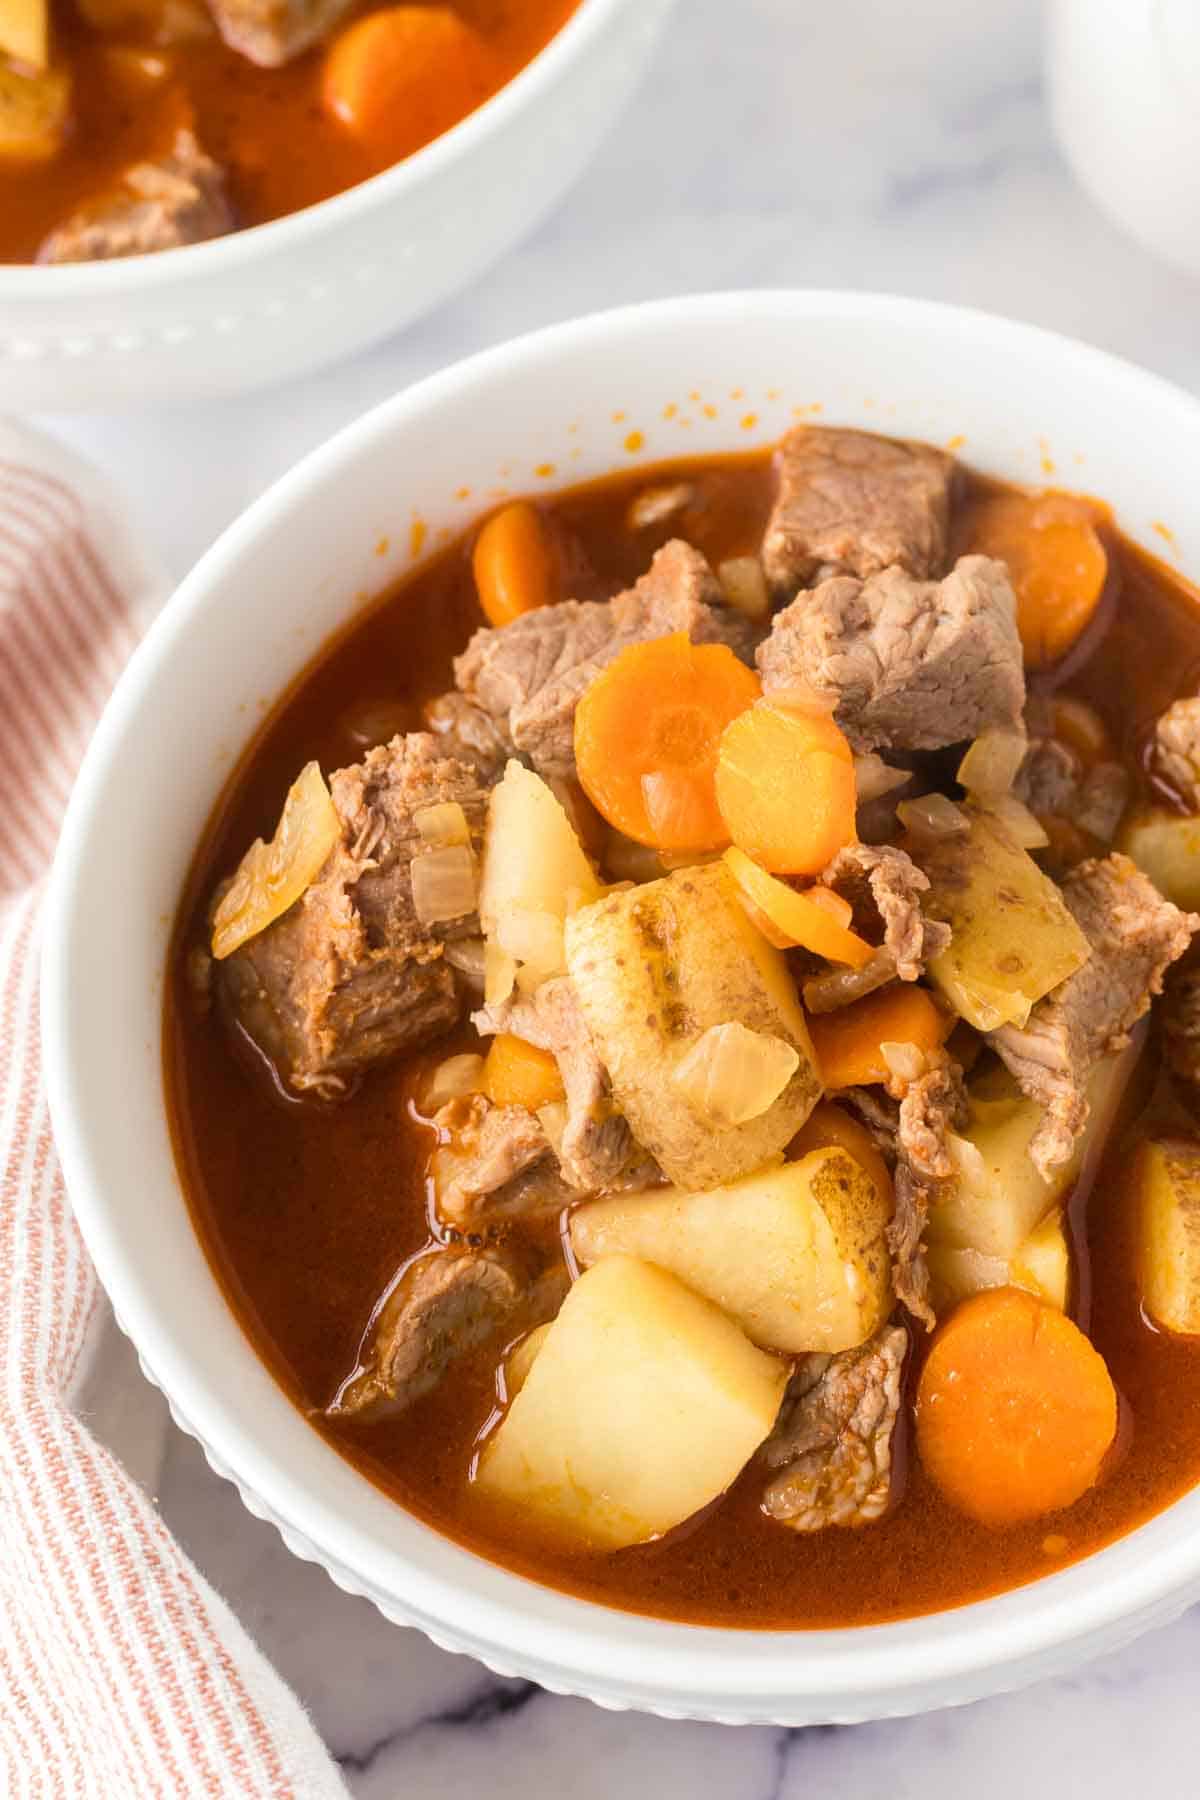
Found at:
(714, 373)
(289, 296)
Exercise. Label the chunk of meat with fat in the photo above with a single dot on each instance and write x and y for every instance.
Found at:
(178, 199)
(1135, 935)
(912, 1130)
(598, 1151)
(349, 975)
(528, 675)
(908, 664)
(884, 887)
(1053, 783)
(852, 503)
(467, 733)
(833, 1441)
(272, 32)
(444, 1304)
(1177, 750)
(494, 1163)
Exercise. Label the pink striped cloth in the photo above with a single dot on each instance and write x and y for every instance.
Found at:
(122, 1673)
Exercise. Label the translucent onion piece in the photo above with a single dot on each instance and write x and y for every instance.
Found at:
(535, 939)
(873, 778)
(968, 1159)
(271, 877)
(655, 504)
(499, 975)
(799, 697)
(469, 957)
(990, 766)
(745, 586)
(732, 1074)
(832, 903)
(553, 1120)
(905, 1062)
(444, 884)
(452, 1079)
(443, 824)
(933, 816)
(1019, 822)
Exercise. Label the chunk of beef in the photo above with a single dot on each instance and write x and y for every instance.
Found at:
(272, 32)
(910, 665)
(179, 199)
(884, 886)
(444, 1304)
(912, 1129)
(851, 503)
(598, 1151)
(1053, 783)
(494, 1163)
(529, 675)
(349, 974)
(1135, 935)
(1177, 750)
(1181, 1024)
(468, 734)
(833, 1440)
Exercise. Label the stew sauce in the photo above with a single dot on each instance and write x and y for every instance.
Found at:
(306, 1210)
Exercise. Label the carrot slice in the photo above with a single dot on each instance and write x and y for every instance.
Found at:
(514, 564)
(1015, 1410)
(519, 1074)
(647, 732)
(797, 919)
(1056, 562)
(832, 1127)
(848, 1042)
(399, 77)
(785, 787)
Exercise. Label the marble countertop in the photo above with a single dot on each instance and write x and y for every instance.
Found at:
(860, 145)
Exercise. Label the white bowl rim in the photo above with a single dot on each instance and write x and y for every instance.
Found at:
(572, 1645)
(103, 279)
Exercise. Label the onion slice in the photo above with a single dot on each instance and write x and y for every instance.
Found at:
(444, 884)
(933, 816)
(732, 1074)
(990, 765)
(453, 1079)
(745, 586)
(271, 877)
(445, 823)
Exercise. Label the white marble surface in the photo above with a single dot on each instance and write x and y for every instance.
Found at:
(867, 144)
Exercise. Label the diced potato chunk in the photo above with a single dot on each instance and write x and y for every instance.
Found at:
(535, 873)
(34, 112)
(797, 1255)
(654, 969)
(522, 1358)
(25, 31)
(1167, 1187)
(999, 1196)
(271, 877)
(1013, 937)
(643, 1403)
(1041, 1265)
(1166, 847)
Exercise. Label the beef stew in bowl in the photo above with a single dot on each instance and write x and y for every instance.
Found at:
(686, 1102)
(130, 126)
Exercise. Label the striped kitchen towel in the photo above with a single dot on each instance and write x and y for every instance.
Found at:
(122, 1673)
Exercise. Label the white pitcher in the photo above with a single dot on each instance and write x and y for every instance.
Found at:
(1124, 89)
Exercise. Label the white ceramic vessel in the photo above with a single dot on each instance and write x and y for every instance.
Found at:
(289, 296)
(689, 376)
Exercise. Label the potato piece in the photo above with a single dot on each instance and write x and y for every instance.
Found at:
(522, 1358)
(797, 1255)
(654, 968)
(1167, 1191)
(34, 112)
(1041, 1265)
(999, 1196)
(535, 872)
(1166, 847)
(1013, 937)
(25, 31)
(643, 1403)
